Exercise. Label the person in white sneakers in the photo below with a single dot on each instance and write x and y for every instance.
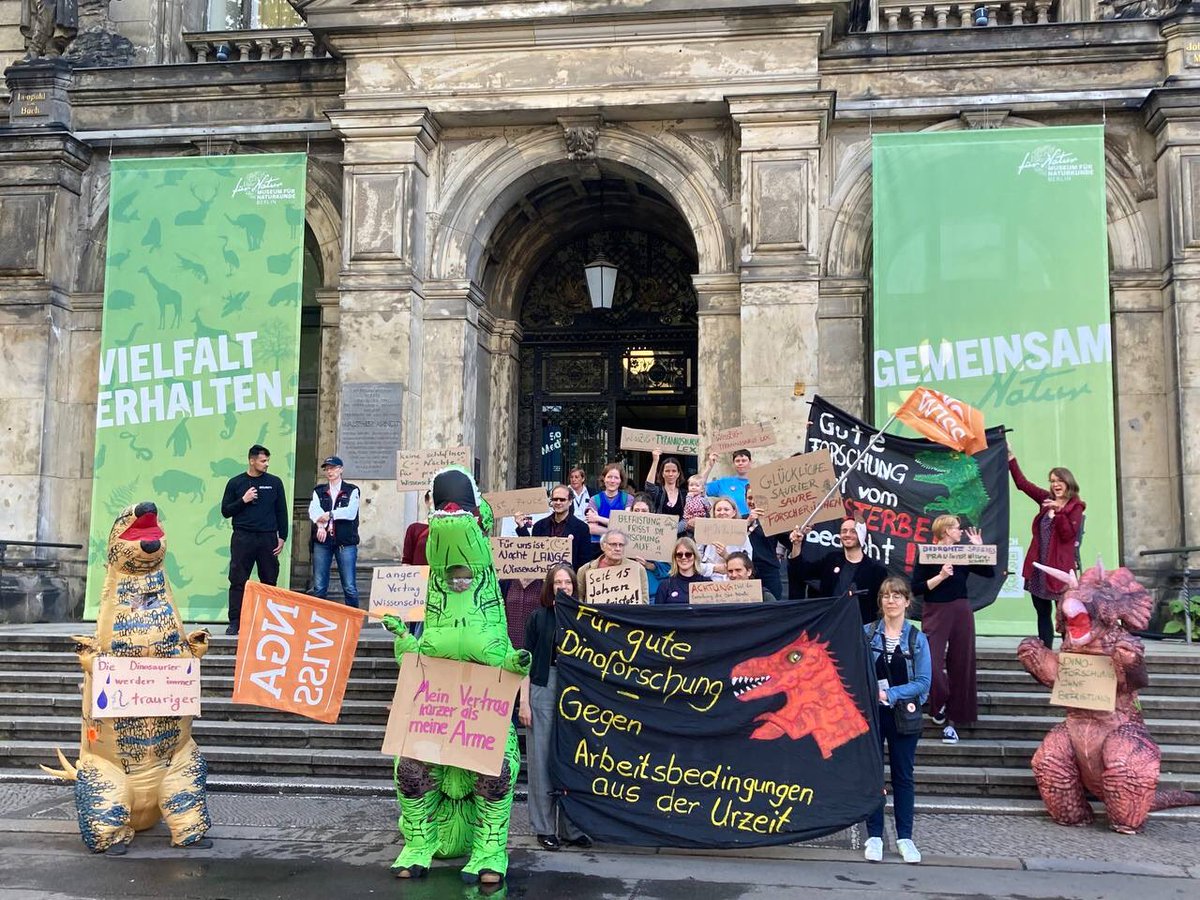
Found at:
(900, 656)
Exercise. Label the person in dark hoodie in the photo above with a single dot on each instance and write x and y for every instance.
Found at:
(842, 572)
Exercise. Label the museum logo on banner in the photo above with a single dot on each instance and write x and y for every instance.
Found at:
(1055, 164)
(263, 188)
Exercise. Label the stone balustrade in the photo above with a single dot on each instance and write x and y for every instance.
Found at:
(928, 16)
(258, 45)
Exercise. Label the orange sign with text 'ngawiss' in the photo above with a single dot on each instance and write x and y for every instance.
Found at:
(294, 652)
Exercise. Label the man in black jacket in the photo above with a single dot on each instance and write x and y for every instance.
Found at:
(562, 523)
(844, 572)
(333, 510)
(255, 501)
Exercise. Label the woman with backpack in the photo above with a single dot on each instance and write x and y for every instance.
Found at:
(900, 656)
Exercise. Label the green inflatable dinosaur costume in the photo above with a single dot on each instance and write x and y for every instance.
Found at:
(446, 811)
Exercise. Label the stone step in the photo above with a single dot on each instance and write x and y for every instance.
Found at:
(67, 683)
(1006, 703)
(214, 663)
(1161, 683)
(374, 640)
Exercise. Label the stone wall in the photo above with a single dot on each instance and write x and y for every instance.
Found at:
(11, 43)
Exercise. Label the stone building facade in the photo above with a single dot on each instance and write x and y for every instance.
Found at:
(464, 156)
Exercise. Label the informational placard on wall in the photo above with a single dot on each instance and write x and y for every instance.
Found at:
(1085, 681)
(400, 591)
(958, 554)
(523, 502)
(451, 713)
(730, 532)
(615, 584)
(788, 491)
(528, 558)
(666, 441)
(742, 437)
(145, 686)
(415, 468)
(749, 591)
(647, 535)
(370, 428)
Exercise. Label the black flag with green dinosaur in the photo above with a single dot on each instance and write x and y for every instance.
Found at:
(900, 489)
(734, 725)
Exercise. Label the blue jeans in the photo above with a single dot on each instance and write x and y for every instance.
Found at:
(902, 754)
(347, 557)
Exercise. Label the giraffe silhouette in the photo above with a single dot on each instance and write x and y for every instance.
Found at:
(166, 296)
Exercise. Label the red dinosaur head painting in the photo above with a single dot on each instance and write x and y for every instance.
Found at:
(816, 701)
(1099, 602)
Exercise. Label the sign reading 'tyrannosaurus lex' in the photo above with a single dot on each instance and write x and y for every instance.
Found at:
(199, 353)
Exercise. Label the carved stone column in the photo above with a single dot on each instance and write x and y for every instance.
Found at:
(781, 138)
(719, 353)
(48, 414)
(500, 408)
(381, 303)
(1173, 117)
(842, 342)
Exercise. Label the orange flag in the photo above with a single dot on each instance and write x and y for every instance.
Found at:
(294, 652)
(945, 420)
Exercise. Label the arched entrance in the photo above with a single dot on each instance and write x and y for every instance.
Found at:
(585, 373)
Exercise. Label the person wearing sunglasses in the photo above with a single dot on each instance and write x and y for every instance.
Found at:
(562, 523)
(674, 589)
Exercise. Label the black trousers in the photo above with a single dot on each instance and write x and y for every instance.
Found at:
(248, 549)
(1045, 608)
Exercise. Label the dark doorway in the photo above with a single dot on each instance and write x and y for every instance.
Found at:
(586, 373)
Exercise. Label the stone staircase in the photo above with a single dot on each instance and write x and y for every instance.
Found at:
(256, 749)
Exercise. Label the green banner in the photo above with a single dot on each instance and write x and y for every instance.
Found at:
(991, 284)
(199, 353)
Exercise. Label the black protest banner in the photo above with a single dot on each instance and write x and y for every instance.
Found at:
(901, 487)
(715, 726)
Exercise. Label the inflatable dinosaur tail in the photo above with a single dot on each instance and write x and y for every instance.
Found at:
(68, 771)
(1172, 799)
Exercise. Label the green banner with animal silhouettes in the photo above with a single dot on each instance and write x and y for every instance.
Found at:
(991, 284)
(199, 354)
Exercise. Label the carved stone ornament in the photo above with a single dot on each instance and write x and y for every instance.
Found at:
(1133, 9)
(581, 141)
(79, 31)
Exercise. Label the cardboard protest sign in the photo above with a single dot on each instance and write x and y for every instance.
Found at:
(749, 591)
(452, 713)
(294, 652)
(742, 437)
(415, 468)
(787, 491)
(958, 554)
(666, 441)
(649, 535)
(528, 558)
(730, 532)
(1085, 682)
(145, 686)
(400, 591)
(615, 584)
(524, 502)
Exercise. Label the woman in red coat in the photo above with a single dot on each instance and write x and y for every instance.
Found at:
(1057, 529)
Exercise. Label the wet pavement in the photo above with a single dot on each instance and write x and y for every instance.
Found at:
(297, 847)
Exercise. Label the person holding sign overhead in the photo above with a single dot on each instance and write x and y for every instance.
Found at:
(675, 588)
(613, 497)
(1057, 530)
(845, 572)
(561, 523)
(664, 484)
(539, 700)
(900, 655)
(733, 486)
(949, 623)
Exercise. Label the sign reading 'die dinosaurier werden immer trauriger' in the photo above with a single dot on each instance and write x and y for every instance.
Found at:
(714, 726)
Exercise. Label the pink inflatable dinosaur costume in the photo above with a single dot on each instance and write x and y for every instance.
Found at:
(1109, 754)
